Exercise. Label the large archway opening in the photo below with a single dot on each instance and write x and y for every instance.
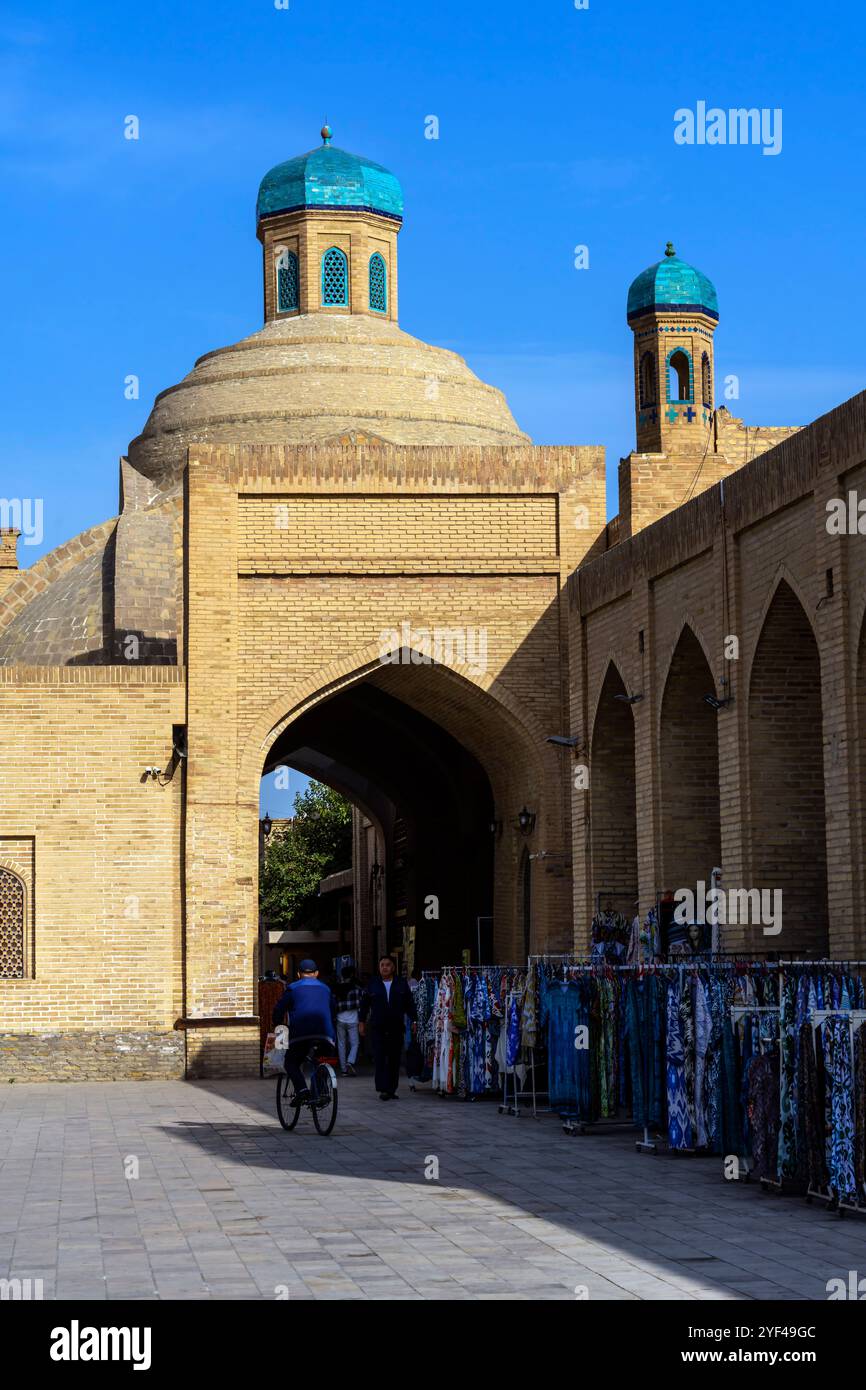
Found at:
(788, 824)
(613, 806)
(438, 770)
(689, 770)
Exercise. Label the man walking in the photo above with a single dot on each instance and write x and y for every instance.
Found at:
(347, 995)
(309, 1006)
(387, 1002)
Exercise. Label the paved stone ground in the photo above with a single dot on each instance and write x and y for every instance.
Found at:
(227, 1205)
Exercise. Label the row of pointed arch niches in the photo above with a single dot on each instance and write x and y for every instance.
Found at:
(334, 288)
(679, 381)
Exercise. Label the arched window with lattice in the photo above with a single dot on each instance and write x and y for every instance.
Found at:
(378, 284)
(335, 277)
(288, 284)
(647, 380)
(706, 381)
(12, 925)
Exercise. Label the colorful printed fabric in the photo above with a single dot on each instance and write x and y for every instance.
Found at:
(565, 1007)
(810, 1113)
(530, 1009)
(860, 1111)
(703, 1034)
(786, 1159)
(840, 1105)
(679, 1125)
(763, 1111)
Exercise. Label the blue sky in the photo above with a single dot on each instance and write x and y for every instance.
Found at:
(556, 129)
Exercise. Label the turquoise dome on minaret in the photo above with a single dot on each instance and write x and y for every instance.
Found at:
(327, 177)
(671, 285)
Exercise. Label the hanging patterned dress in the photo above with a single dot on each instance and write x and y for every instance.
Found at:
(787, 1147)
(679, 1131)
(703, 1033)
(687, 1033)
(530, 1008)
(442, 1033)
(811, 1112)
(763, 1109)
(840, 1101)
(860, 1111)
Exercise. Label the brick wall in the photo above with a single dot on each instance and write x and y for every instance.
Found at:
(789, 787)
(106, 849)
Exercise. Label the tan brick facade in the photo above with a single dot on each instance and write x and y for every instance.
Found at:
(442, 536)
(298, 516)
(99, 850)
(769, 787)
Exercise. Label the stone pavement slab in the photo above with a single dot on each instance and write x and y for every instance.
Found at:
(226, 1205)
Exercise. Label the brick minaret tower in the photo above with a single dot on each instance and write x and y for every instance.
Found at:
(673, 312)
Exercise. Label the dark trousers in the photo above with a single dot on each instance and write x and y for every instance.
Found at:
(387, 1048)
(296, 1053)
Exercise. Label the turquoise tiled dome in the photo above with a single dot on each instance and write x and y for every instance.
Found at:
(330, 178)
(672, 284)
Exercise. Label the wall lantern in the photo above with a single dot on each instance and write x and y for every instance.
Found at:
(526, 821)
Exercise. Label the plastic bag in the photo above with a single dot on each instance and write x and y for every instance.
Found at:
(275, 1051)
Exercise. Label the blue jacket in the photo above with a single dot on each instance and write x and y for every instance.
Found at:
(309, 1005)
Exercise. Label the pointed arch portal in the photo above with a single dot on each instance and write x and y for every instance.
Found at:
(441, 769)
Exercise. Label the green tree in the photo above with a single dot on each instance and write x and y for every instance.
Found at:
(318, 842)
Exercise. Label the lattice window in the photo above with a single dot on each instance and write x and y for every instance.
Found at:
(378, 284)
(11, 926)
(335, 277)
(287, 282)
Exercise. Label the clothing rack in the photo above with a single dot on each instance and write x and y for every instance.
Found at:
(461, 970)
(594, 967)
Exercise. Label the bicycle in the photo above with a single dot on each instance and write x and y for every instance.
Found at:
(322, 1102)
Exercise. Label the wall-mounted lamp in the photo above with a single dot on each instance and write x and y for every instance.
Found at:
(267, 825)
(495, 828)
(526, 821)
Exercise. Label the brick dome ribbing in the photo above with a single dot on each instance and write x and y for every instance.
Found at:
(306, 379)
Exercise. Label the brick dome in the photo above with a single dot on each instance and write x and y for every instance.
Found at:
(306, 379)
(295, 381)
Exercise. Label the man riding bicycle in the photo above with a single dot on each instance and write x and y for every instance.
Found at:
(308, 1006)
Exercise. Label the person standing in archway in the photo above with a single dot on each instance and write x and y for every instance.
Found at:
(387, 1002)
